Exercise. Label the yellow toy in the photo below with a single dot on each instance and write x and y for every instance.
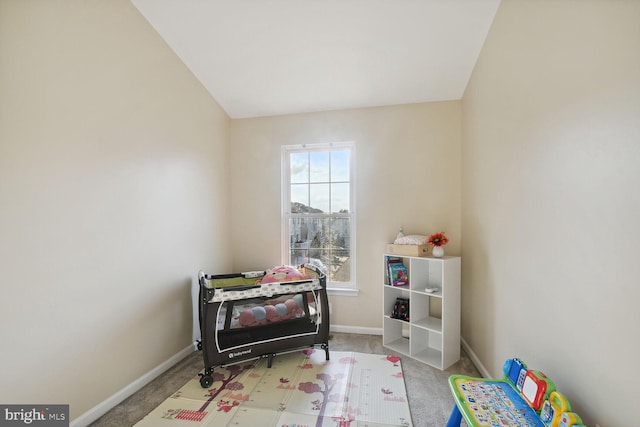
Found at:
(553, 409)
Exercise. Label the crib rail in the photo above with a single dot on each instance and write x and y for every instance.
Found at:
(261, 290)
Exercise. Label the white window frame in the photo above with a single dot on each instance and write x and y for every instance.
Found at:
(333, 288)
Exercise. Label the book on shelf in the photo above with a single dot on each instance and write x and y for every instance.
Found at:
(398, 272)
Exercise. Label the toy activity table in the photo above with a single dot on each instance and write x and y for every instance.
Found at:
(486, 402)
(523, 398)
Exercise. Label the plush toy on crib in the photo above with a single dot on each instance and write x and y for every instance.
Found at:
(283, 273)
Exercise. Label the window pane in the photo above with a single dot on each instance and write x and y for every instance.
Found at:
(340, 234)
(299, 232)
(340, 165)
(341, 267)
(336, 265)
(299, 253)
(324, 242)
(340, 254)
(319, 197)
(299, 198)
(307, 238)
(299, 167)
(319, 166)
(340, 198)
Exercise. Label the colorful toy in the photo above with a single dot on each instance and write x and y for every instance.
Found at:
(553, 408)
(283, 273)
(269, 313)
(536, 388)
(523, 397)
(570, 419)
(489, 402)
(289, 307)
(515, 371)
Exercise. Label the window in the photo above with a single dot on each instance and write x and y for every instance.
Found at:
(318, 210)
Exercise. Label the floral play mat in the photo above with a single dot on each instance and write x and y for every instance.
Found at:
(301, 389)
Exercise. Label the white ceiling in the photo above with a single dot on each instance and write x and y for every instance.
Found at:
(271, 57)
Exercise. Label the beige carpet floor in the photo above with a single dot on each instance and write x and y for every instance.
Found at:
(430, 400)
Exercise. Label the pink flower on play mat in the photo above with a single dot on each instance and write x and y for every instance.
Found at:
(343, 421)
(237, 396)
(286, 387)
(393, 359)
(348, 360)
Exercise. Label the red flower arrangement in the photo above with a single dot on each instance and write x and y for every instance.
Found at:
(438, 239)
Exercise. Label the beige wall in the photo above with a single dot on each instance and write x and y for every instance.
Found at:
(550, 200)
(113, 193)
(408, 173)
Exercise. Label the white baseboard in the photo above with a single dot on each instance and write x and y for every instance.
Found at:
(355, 330)
(105, 406)
(474, 358)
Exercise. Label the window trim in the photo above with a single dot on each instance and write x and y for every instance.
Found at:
(333, 288)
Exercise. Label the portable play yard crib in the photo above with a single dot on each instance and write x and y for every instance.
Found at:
(241, 318)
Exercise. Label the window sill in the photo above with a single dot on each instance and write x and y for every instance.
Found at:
(344, 292)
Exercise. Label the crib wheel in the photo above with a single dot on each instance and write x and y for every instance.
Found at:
(206, 381)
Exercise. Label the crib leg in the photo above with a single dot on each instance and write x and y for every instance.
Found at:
(326, 350)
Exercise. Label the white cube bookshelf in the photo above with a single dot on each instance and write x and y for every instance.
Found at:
(434, 317)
